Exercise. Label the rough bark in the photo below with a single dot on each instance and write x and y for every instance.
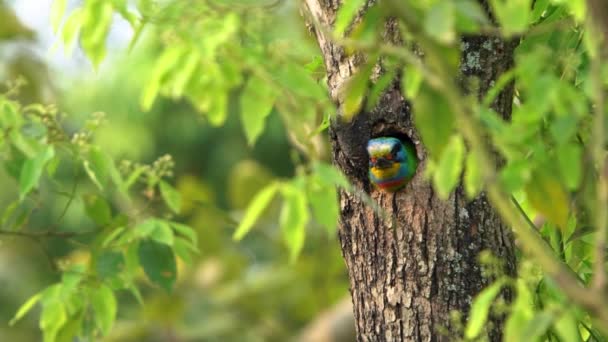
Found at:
(409, 271)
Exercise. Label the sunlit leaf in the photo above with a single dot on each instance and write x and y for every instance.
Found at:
(434, 120)
(538, 326)
(32, 170)
(97, 209)
(185, 231)
(354, 93)
(25, 308)
(324, 202)
(439, 21)
(547, 195)
(255, 209)
(218, 110)
(104, 305)
(171, 196)
(256, 103)
(70, 29)
(481, 308)
(566, 327)
(57, 11)
(513, 15)
(53, 317)
(411, 82)
(293, 218)
(162, 233)
(473, 181)
(469, 15)
(346, 14)
(448, 170)
(96, 20)
(166, 62)
(100, 168)
(569, 158)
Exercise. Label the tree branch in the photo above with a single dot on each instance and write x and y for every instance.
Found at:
(598, 156)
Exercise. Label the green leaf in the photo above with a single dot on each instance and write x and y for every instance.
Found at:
(255, 209)
(567, 327)
(70, 29)
(171, 196)
(104, 305)
(346, 14)
(513, 15)
(218, 109)
(473, 181)
(434, 120)
(53, 317)
(8, 212)
(330, 175)
(32, 170)
(158, 262)
(538, 326)
(185, 231)
(469, 16)
(112, 236)
(133, 177)
(324, 202)
(298, 80)
(184, 249)
(109, 264)
(481, 307)
(100, 168)
(57, 11)
(355, 91)
(379, 87)
(439, 22)
(96, 21)
(10, 117)
(521, 312)
(182, 76)
(569, 158)
(257, 100)
(411, 82)
(162, 233)
(25, 308)
(70, 329)
(448, 170)
(97, 209)
(577, 8)
(293, 218)
(547, 195)
(165, 63)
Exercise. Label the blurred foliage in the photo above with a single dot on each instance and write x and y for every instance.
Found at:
(118, 225)
(84, 215)
(552, 169)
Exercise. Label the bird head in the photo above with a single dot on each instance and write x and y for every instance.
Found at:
(384, 152)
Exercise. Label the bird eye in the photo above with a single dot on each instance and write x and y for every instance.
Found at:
(389, 157)
(373, 160)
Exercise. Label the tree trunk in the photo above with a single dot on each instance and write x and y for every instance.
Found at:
(409, 271)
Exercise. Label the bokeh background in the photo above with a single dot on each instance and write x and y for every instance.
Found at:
(233, 291)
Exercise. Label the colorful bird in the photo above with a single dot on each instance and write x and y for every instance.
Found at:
(392, 163)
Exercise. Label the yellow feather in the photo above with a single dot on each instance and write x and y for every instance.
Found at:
(386, 173)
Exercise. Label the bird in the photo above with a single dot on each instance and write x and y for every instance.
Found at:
(392, 163)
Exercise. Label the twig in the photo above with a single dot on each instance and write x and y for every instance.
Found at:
(597, 152)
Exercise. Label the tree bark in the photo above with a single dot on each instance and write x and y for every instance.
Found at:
(411, 268)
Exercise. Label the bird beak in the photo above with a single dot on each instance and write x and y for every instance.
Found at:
(383, 163)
